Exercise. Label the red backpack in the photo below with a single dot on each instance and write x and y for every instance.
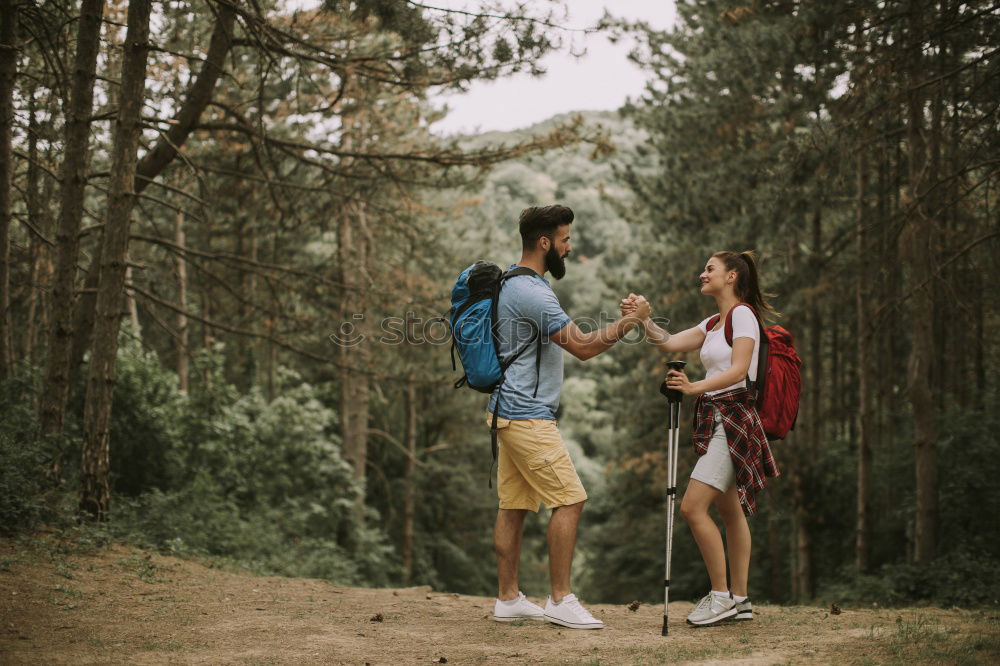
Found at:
(779, 382)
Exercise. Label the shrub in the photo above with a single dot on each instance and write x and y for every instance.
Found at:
(237, 476)
(22, 457)
(946, 582)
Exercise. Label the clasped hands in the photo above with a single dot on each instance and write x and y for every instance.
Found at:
(637, 306)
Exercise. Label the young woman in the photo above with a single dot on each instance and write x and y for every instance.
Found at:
(734, 455)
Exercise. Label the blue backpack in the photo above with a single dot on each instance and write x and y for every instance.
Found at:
(473, 319)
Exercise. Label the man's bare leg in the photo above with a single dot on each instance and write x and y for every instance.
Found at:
(507, 541)
(562, 541)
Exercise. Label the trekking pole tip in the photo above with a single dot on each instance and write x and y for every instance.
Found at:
(664, 632)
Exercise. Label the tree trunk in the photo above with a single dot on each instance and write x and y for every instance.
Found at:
(249, 349)
(802, 572)
(949, 307)
(206, 310)
(354, 381)
(861, 297)
(8, 79)
(130, 304)
(73, 176)
(183, 372)
(196, 99)
(802, 576)
(980, 356)
(95, 494)
(270, 350)
(409, 500)
(917, 249)
(352, 258)
(83, 319)
(39, 250)
(83, 313)
(774, 551)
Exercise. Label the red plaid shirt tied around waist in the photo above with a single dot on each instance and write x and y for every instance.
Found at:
(748, 445)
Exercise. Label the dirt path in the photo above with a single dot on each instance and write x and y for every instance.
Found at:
(124, 605)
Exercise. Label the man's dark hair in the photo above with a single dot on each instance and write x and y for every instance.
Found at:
(539, 221)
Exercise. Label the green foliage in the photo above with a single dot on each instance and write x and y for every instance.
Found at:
(215, 473)
(146, 410)
(258, 482)
(748, 136)
(966, 493)
(21, 505)
(969, 495)
(457, 46)
(22, 459)
(955, 579)
(754, 143)
(968, 500)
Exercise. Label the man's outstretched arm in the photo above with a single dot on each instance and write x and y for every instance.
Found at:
(588, 345)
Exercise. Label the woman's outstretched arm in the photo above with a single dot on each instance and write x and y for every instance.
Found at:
(687, 340)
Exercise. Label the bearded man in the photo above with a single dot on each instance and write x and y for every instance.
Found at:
(533, 465)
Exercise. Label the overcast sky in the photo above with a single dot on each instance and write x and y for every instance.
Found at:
(601, 79)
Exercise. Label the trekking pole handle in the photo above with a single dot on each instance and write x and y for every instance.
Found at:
(672, 395)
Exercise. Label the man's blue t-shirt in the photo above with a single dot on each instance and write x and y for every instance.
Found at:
(527, 303)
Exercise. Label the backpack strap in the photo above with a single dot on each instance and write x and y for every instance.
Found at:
(759, 383)
(711, 323)
(538, 361)
(514, 272)
(517, 270)
(727, 327)
(763, 361)
(493, 437)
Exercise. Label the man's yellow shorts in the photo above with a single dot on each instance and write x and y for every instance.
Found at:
(533, 466)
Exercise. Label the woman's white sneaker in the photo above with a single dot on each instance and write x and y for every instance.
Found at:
(711, 609)
(517, 609)
(570, 613)
(744, 610)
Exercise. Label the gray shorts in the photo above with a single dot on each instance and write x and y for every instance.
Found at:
(716, 467)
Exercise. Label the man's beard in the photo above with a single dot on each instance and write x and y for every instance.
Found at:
(555, 264)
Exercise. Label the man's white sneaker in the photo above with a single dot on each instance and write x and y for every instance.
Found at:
(711, 609)
(517, 609)
(570, 613)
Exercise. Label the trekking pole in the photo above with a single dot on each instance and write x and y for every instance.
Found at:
(673, 439)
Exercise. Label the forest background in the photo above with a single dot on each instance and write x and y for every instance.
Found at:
(227, 233)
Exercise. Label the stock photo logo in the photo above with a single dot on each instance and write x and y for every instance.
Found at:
(349, 334)
(413, 329)
(410, 329)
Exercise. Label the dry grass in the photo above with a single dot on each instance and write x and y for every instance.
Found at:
(61, 605)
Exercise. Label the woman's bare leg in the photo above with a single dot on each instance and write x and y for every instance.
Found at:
(737, 540)
(694, 508)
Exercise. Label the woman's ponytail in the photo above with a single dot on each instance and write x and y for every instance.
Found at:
(747, 285)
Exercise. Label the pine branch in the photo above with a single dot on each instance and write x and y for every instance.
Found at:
(196, 99)
(235, 258)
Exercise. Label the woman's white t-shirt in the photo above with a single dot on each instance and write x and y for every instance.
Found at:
(717, 355)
